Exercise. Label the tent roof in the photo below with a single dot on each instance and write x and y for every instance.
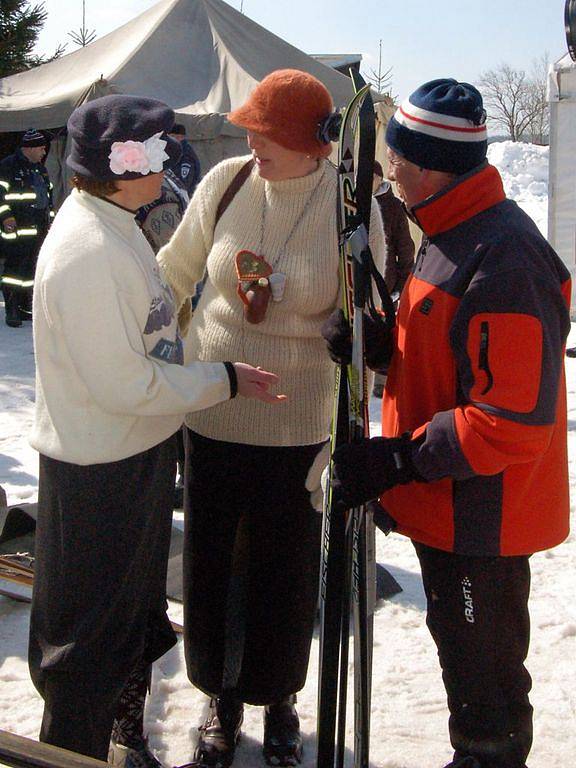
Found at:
(221, 55)
(338, 60)
(565, 62)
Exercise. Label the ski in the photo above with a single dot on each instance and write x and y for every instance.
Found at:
(356, 224)
(334, 619)
(348, 572)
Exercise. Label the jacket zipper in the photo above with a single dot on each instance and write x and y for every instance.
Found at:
(423, 249)
(483, 363)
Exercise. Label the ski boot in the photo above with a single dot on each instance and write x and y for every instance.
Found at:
(219, 733)
(282, 737)
(137, 755)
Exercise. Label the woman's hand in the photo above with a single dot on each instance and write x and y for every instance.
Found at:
(254, 382)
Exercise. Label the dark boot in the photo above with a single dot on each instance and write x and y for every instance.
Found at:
(219, 733)
(137, 755)
(282, 737)
(496, 753)
(12, 311)
(25, 306)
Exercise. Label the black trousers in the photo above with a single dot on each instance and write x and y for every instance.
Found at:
(251, 568)
(99, 602)
(20, 259)
(478, 617)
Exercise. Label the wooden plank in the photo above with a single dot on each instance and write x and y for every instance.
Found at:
(27, 579)
(17, 596)
(20, 752)
(18, 577)
(17, 563)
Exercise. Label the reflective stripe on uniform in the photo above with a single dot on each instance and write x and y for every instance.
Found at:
(4, 208)
(52, 214)
(28, 232)
(21, 196)
(16, 282)
(4, 184)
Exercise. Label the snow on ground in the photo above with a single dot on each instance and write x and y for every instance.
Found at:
(409, 722)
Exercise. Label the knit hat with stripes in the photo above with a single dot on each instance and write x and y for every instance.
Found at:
(441, 126)
(33, 138)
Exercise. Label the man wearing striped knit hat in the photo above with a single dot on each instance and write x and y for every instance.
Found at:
(472, 464)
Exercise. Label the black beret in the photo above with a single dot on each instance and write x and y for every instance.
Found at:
(138, 127)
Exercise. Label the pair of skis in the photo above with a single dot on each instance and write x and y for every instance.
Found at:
(348, 569)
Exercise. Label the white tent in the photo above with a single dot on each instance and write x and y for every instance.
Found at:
(562, 164)
(202, 57)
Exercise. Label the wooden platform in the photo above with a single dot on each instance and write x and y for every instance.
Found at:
(19, 752)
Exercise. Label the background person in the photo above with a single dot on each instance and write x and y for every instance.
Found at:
(473, 462)
(253, 521)
(187, 169)
(25, 215)
(111, 391)
(400, 246)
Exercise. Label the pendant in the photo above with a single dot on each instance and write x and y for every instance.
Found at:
(253, 286)
(277, 282)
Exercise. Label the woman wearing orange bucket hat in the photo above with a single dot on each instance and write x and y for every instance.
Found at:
(264, 229)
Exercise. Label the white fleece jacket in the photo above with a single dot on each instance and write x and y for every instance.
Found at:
(109, 379)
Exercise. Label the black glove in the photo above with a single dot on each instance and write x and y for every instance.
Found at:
(362, 471)
(377, 340)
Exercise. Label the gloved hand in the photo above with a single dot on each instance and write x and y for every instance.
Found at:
(377, 341)
(362, 471)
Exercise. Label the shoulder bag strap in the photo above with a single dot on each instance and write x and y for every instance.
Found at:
(234, 186)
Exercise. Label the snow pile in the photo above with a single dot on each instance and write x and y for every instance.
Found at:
(524, 171)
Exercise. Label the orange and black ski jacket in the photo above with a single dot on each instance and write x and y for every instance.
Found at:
(477, 377)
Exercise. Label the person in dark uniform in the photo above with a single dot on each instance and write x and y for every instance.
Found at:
(25, 215)
(187, 169)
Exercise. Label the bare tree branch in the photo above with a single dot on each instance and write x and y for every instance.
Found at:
(516, 101)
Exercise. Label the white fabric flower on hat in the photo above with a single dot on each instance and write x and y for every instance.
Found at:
(155, 148)
(138, 156)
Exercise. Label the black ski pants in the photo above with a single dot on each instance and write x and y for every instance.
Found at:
(20, 259)
(99, 601)
(478, 617)
(251, 567)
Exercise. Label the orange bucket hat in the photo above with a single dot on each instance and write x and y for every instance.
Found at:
(287, 107)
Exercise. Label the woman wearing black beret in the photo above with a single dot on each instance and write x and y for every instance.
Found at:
(111, 392)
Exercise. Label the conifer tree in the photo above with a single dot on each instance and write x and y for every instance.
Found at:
(20, 25)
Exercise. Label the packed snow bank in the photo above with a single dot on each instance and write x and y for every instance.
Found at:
(524, 171)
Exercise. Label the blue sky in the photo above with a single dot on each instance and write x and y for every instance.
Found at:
(421, 39)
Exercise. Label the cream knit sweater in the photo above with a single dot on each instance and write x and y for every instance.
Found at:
(288, 341)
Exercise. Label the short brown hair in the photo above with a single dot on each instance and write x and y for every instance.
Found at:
(93, 186)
